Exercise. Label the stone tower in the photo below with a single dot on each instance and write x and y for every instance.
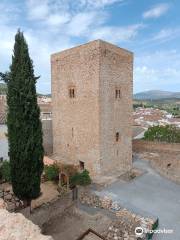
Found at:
(92, 107)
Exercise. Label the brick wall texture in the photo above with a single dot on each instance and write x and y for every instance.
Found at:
(85, 127)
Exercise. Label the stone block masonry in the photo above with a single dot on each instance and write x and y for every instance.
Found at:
(47, 136)
(92, 107)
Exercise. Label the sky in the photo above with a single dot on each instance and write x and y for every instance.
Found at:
(149, 28)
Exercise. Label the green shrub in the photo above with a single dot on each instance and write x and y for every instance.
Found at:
(51, 172)
(154, 227)
(6, 171)
(166, 133)
(81, 179)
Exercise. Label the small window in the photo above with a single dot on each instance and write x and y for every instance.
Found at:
(71, 92)
(117, 93)
(168, 165)
(72, 132)
(117, 137)
(81, 165)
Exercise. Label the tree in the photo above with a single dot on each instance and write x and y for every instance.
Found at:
(168, 133)
(24, 125)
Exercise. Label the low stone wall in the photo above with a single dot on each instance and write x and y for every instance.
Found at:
(148, 146)
(123, 227)
(163, 157)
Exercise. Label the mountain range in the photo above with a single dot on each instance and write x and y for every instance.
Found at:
(156, 95)
(146, 95)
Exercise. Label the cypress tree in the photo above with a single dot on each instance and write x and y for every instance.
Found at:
(24, 125)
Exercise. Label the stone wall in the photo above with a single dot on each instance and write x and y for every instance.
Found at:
(116, 73)
(163, 157)
(146, 146)
(125, 221)
(47, 136)
(85, 127)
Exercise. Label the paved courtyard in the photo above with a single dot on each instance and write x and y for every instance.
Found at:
(150, 195)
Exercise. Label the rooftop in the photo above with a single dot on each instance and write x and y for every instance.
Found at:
(95, 43)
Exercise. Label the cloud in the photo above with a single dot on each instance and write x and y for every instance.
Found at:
(167, 34)
(40, 48)
(156, 11)
(99, 3)
(158, 70)
(6, 45)
(59, 12)
(57, 20)
(53, 25)
(83, 23)
(49, 13)
(116, 34)
(37, 10)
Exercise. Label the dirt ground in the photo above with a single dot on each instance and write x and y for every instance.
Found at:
(48, 189)
(49, 193)
(75, 222)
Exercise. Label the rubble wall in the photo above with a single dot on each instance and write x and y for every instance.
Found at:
(148, 146)
(163, 157)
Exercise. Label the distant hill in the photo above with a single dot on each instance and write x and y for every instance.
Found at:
(156, 94)
(3, 88)
(44, 95)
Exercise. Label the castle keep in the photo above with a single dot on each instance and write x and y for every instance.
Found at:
(92, 107)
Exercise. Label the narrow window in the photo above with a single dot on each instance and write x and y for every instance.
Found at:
(71, 92)
(81, 164)
(72, 132)
(117, 93)
(117, 137)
